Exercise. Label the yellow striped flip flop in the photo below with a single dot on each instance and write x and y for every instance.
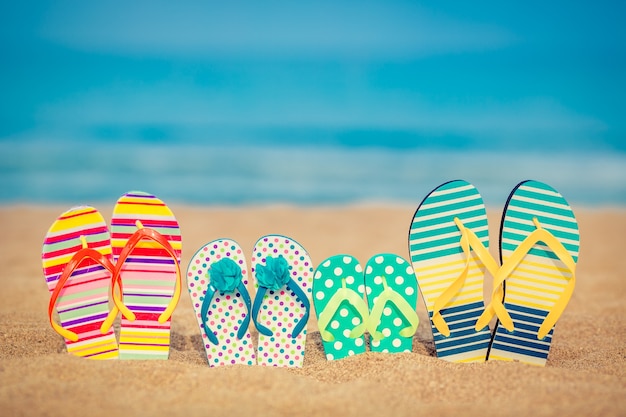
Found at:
(539, 245)
(448, 242)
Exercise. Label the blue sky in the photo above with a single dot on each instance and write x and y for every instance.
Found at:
(400, 74)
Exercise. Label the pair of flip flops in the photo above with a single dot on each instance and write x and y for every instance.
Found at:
(532, 284)
(340, 287)
(217, 279)
(136, 263)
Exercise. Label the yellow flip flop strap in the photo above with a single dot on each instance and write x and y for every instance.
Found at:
(468, 241)
(496, 305)
(133, 241)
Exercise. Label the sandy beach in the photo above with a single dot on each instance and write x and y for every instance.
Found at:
(585, 374)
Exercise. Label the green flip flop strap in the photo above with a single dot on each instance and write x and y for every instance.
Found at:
(343, 294)
(389, 295)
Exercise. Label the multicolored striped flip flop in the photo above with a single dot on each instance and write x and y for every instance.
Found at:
(448, 243)
(76, 259)
(339, 288)
(147, 246)
(539, 244)
(392, 291)
(216, 278)
(283, 274)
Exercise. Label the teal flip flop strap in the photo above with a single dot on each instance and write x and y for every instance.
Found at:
(343, 294)
(225, 278)
(389, 295)
(273, 276)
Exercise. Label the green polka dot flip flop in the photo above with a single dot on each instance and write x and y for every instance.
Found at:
(338, 295)
(284, 276)
(216, 278)
(448, 242)
(391, 290)
(539, 246)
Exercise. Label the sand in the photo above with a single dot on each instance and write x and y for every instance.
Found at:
(585, 373)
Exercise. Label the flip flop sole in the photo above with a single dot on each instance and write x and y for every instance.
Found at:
(227, 310)
(83, 304)
(535, 285)
(281, 310)
(438, 260)
(327, 281)
(398, 275)
(148, 274)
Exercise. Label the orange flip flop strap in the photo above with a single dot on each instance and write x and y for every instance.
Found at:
(70, 267)
(132, 243)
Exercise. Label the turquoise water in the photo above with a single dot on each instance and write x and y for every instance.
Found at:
(327, 102)
(197, 172)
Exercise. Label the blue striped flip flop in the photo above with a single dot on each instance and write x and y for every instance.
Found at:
(338, 296)
(448, 242)
(539, 244)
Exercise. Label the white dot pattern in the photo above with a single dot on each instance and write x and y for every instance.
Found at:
(281, 310)
(393, 270)
(227, 310)
(338, 269)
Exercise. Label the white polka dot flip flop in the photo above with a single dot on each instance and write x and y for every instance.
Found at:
(391, 290)
(283, 274)
(217, 277)
(338, 295)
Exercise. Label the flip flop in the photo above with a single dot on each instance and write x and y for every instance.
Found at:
(392, 291)
(76, 259)
(216, 278)
(283, 274)
(539, 244)
(448, 242)
(339, 288)
(147, 246)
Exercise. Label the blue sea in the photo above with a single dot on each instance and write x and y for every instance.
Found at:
(319, 104)
(251, 169)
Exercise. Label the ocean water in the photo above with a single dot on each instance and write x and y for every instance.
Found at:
(96, 171)
(331, 103)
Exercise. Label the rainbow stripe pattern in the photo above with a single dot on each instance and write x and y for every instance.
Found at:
(83, 304)
(438, 261)
(534, 286)
(148, 274)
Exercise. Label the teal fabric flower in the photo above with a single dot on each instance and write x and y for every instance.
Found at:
(225, 275)
(274, 274)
